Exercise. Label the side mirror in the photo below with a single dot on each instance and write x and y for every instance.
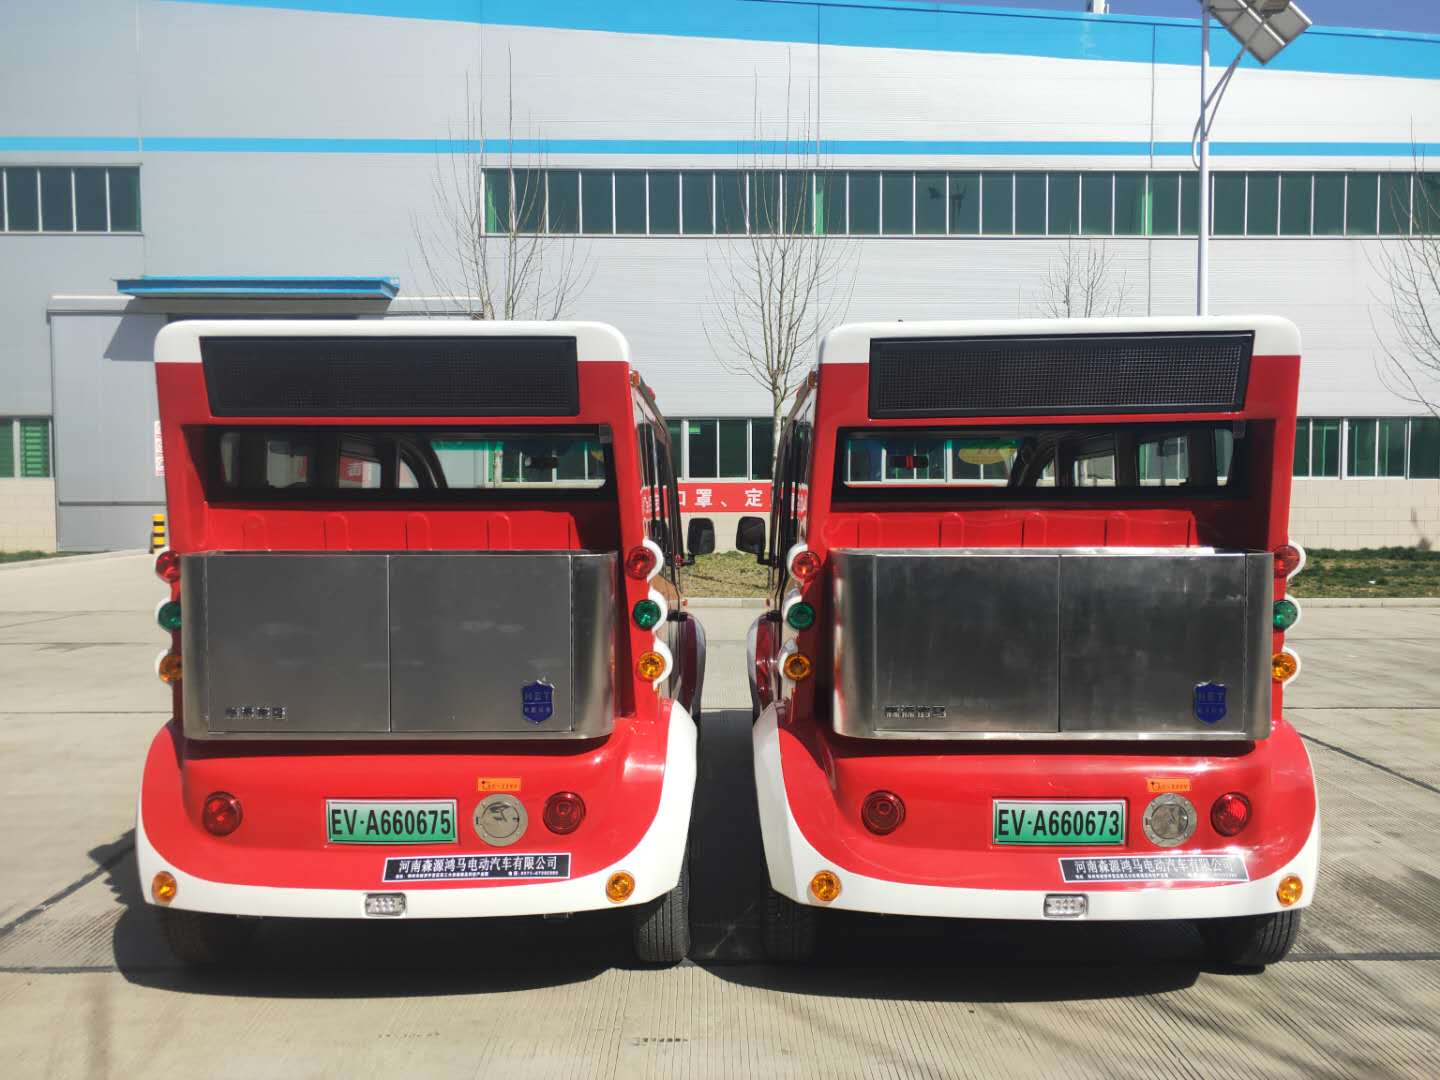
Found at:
(750, 536)
(700, 537)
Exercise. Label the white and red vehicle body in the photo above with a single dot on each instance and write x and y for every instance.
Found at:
(819, 757)
(632, 768)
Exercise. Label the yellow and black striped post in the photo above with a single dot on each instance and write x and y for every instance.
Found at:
(157, 533)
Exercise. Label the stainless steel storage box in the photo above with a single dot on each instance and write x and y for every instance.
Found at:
(1042, 643)
(404, 645)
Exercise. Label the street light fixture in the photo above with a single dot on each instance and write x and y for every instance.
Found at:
(1263, 28)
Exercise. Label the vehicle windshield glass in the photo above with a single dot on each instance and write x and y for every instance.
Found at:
(264, 461)
(1044, 460)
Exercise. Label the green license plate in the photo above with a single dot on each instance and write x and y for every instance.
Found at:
(390, 822)
(1071, 823)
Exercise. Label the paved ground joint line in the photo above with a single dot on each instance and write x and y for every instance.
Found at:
(108, 863)
(1373, 764)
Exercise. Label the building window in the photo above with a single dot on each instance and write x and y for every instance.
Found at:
(1227, 205)
(24, 448)
(724, 448)
(997, 203)
(1425, 448)
(864, 202)
(63, 198)
(1262, 204)
(664, 202)
(1295, 204)
(564, 201)
(930, 203)
(897, 205)
(1317, 448)
(1362, 203)
(1030, 204)
(597, 202)
(1064, 204)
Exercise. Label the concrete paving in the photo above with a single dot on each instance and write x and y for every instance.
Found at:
(87, 989)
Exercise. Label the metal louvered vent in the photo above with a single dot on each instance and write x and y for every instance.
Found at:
(391, 376)
(1067, 374)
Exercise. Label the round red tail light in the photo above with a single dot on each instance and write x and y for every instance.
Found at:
(167, 566)
(641, 562)
(1289, 558)
(882, 812)
(1230, 814)
(805, 565)
(564, 811)
(221, 814)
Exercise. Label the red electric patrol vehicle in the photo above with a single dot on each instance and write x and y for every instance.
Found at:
(426, 644)
(1026, 652)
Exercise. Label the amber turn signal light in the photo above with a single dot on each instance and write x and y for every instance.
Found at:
(1290, 890)
(825, 886)
(619, 887)
(797, 666)
(163, 887)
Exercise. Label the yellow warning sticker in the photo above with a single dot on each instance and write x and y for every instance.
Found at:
(501, 783)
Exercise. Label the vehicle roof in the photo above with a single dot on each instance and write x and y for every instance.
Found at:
(850, 344)
(179, 342)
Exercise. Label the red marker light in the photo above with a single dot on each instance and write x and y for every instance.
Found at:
(1230, 814)
(167, 566)
(564, 811)
(641, 562)
(805, 565)
(1289, 558)
(882, 812)
(221, 814)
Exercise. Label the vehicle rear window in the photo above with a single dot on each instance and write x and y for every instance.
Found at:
(1003, 462)
(296, 462)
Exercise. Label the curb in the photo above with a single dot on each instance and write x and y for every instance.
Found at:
(53, 560)
(1369, 601)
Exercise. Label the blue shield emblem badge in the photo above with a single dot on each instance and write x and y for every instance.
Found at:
(537, 701)
(1210, 702)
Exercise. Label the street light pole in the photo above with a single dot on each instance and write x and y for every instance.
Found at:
(1202, 267)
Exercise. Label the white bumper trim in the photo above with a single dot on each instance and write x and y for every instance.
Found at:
(655, 863)
(792, 862)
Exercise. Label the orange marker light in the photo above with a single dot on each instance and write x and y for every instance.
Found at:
(797, 666)
(1283, 666)
(1290, 890)
(619, 887)
(169, 668)
(825, 886)
(650, 666)
(163, 887)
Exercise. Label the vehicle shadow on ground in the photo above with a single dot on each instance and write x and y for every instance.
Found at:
(858, 956)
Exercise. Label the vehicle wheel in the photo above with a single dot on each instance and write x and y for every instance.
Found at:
(662, 925)
(202, 939)
(1251, 940)
(789, 929)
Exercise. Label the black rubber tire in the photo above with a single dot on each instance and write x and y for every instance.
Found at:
(790, 929)
(662, 925)
(1250, 941)
(201, 939)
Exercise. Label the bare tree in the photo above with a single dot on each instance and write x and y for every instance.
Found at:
(781, 278)
(487, 250)
(1409, 265)
(1082, 283)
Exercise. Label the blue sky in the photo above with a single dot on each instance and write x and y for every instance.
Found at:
(1422, 15)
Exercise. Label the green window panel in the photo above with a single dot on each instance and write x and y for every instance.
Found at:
(90, 200)
(1164, 205)
(697, 203)
(1064, 204)
(1295, 204)
(704, 463)
(734, 440)
(1189, 204)
(930, 203)
(35, 448)
(1390, 445)
(630, 202)
(1427, 204)
(830, 208)
(57, 207)
(864, 202)
(1302, 448)
(762, 447)
(1227, 213)
(664, 202)
(1424, 448)
(1360, 458)
(730, 202)
(799, 202)
(1030, 204)
(528, 188)
(7, 449)
(597, 202)
(1262, 204)
(676, 430)
(497, 201)
(1330, 204)
(1362, 203)
(898, 203)
(965, 204)
(124, 200)
(1325, 448)
(1097, 204)
(23, 202)
(997, 196)
(765, 210)
(1394, 204)
(1129, 204)
(564, 201)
